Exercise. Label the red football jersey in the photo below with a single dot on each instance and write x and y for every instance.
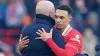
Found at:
(73, 40)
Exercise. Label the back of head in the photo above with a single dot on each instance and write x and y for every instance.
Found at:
(45, 7)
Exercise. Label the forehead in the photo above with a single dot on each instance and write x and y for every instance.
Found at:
(61, 12)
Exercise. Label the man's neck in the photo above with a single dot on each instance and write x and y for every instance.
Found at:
(62, 29)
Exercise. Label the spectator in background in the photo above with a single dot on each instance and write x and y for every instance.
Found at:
(6, 49)
(91, 5)
(64, 2)
(3, 1)
(55, 2)
(89, 41)
(98, 6)
(92, 19)
(15, 13)
(30, 5)
(78, 15)
(93, 22)
(2, 14)
(98, 11)
(97, 48)
(26, 20)
(80, 4)
(2, 53)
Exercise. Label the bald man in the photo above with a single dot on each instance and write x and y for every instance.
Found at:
(44, 19)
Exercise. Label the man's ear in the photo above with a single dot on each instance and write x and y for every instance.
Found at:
(51, 14)
(70, 17)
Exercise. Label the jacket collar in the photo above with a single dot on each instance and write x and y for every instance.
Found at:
(45, 19)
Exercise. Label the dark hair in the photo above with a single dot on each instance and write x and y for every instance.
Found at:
(65, 8)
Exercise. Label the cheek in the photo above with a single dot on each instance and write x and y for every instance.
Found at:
(55, 20)
(64, 23)
(67, 21)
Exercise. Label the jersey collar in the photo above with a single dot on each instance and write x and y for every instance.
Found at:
(67, 30)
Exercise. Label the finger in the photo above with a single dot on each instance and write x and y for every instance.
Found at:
(20, 36)
(24, 38)
(51, 30)
(43, 30)
(25, 46)
(25, 42)
(39, 31)
(38, 38)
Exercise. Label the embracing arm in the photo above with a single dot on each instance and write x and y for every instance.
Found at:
(69, 50)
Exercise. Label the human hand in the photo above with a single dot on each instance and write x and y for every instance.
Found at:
(44, 35)
(22, 43)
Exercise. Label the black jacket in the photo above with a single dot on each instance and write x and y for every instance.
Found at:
(39, 47)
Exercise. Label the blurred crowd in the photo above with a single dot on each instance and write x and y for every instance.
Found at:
(15, 14)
